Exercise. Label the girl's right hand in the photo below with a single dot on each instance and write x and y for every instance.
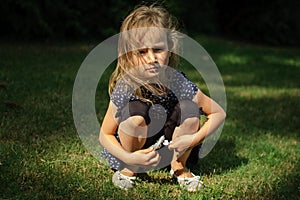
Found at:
(144, 158)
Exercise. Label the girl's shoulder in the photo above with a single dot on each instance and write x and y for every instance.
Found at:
(177, 76)
(122, 94)
(182, 86)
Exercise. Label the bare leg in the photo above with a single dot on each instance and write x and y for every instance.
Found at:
(189, 126)
(132, 134)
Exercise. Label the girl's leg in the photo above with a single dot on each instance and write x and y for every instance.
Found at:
(132, 130)
(133, 135)
(189, 124)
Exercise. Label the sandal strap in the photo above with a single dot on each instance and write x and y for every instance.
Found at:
(191, 184)
(187, 180)
(129, 178)
(184, 178)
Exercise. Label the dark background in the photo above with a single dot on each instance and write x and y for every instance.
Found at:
(271, 22)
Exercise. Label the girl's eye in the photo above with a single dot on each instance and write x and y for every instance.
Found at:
(158, 49)
(142, 52)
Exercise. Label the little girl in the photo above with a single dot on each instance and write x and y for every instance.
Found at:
(150, 99)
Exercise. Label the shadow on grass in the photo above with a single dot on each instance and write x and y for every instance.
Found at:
(290, 187)
(221, 159)
(152, 179)
(277, 115)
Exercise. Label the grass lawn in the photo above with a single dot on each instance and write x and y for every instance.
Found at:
(42, 157)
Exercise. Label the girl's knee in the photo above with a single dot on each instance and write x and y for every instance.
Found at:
(134, 126)
(189, 113)
(132, 133)
(190, 125)
(134, 119)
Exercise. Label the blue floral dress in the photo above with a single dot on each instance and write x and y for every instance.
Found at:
(180, 88)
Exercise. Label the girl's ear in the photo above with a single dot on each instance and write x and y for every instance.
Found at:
(169, 54)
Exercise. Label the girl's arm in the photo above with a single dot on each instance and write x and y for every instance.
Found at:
(215, 116)
(108, 129)
(109, 141)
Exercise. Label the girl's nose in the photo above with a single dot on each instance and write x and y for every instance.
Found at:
(151, 57)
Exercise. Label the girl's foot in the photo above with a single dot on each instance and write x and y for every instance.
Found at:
(122, 181)
(187, 180)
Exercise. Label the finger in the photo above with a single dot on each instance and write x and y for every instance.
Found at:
(172, 146)
(145, 151)
(155, 160)
(147, 157)
(152, 155)
(155, 164)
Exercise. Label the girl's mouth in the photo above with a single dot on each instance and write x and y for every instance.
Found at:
(152, 67)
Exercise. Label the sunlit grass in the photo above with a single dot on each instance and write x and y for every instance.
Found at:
(42, 157)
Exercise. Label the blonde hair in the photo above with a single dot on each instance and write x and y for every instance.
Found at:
(143, 17)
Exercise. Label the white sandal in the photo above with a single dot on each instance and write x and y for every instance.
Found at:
(191, 184)
(122, 181)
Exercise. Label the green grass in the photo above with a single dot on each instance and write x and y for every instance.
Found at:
(42, 157)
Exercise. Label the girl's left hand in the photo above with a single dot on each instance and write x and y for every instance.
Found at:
(181, 143)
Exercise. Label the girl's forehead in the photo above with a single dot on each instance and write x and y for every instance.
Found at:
(153, 38)
(149, 37)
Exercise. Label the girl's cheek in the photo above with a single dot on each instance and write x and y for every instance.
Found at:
(166, 59)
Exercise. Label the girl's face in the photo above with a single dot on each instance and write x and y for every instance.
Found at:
(152, 56)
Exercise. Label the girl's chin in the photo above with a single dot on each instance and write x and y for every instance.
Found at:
(149, 74)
